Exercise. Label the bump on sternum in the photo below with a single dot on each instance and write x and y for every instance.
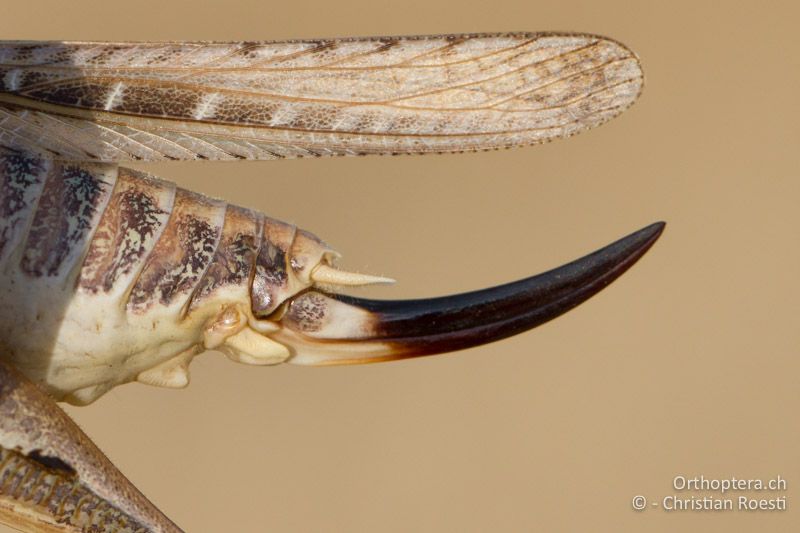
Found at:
(173, 373)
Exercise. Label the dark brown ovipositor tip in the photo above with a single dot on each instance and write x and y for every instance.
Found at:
(428, 326)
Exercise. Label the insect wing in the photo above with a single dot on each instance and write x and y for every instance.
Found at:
(119, 102)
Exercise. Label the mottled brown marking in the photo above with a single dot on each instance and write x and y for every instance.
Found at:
(235, 257)
(23, 78)
(79, 93)
(234, 110)
(307, 312)
(182, 254)
(272, 267)
(168, 100)
(21, 181)
(103, 55)
(25, 52)
(70, 203)
(32, 77)
(248, 49)
(136, 214)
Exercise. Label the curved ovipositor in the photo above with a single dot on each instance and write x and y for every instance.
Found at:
(324, 328)
(54, 479)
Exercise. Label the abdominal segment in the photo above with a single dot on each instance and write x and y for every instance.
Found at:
(106, 272)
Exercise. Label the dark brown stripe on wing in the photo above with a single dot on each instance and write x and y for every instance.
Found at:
(73, 198)
(21, 182)
(136, 215)
(138, 99)
(183, 252)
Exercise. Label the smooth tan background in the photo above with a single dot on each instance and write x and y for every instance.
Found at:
(687, 365)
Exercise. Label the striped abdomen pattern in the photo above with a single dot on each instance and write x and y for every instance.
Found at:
(116, 231)
(107, 273)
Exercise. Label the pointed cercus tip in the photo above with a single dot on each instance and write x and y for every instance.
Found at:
(356, 330)
(326, 274)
